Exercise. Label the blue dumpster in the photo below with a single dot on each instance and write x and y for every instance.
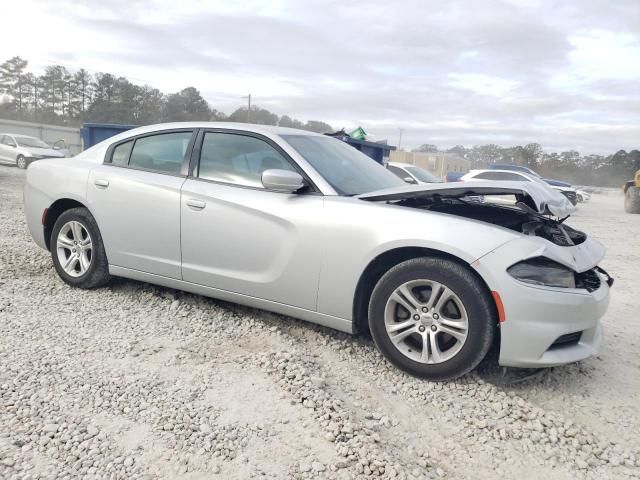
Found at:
(92, 133)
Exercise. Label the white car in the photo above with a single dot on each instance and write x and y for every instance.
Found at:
(305, 225)
(21, 150)
(516, 176)
(412, 173)
(582, 195)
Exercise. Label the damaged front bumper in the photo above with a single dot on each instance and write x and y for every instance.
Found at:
(548, 326)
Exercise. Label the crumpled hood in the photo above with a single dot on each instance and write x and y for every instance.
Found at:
(541, 198)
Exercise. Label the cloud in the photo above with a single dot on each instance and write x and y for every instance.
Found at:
(482, 84)
(458, 72)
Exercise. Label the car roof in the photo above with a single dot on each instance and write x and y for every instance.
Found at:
(400, 164)
(508, 166)
(493, 170)
(247, 127)
(97, 151)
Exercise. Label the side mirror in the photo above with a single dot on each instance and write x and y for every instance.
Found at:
(410, 180)
(59, 145)
(282, 180)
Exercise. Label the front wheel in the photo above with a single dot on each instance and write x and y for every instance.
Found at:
(432, 318)
(21, 162)
(77, 250)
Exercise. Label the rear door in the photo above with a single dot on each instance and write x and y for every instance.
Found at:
(239, 237)
(135, 197)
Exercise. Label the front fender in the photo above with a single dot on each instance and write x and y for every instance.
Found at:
(358, 232)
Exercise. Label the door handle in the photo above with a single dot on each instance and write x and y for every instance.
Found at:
(196, 204)
(101, 183)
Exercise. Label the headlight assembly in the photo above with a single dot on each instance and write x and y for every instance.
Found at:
(542, 271)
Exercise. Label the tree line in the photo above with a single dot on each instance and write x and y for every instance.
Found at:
(63, 97)
(571, 166)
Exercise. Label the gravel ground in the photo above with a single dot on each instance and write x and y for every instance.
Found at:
(137, 381)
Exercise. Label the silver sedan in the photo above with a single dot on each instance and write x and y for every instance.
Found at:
(305, 225)
(21, 150)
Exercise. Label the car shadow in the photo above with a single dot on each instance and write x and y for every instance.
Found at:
(488, 371)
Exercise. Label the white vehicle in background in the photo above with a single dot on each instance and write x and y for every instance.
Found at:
(515, 176)
(582, 196)
(21, 150)
(412, 173)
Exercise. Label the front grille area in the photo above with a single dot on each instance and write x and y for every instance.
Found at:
(566, 340)
(589, 280)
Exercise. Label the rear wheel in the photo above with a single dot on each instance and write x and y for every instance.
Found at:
(21, 162)
(632, 200)
(432, 318)
(77, 250)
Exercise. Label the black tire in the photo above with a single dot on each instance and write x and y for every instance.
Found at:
(632, 200)
(97, 274)
(480, 308)
(21, 162)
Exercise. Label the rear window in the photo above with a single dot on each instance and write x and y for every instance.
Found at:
(120, 155)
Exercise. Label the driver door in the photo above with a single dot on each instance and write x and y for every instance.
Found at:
(239, 237)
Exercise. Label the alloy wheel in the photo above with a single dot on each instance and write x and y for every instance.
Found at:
(74, 248)
(426, 321)
(21, 162)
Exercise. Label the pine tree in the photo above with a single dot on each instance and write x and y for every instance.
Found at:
(13, 82)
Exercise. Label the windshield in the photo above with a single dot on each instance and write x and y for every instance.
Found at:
(423, 175)
(347, 170)
(31, 142)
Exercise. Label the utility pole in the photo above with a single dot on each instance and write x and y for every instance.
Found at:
(400, 139)
(248, 97)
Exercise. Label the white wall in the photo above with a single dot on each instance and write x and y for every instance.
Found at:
(47, 133)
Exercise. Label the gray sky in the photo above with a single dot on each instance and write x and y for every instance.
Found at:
(564, 74)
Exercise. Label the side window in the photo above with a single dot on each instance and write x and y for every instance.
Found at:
(238, 159)
(163, 152)
(398, 172)
(516, 178)
(487, 176)
(120, 155)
